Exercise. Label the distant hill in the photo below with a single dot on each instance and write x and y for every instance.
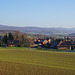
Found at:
(7, 31)
(72, 34)
(39, 30)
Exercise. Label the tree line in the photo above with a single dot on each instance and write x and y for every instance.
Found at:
(22, 38)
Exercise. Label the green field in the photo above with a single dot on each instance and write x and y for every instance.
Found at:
(24, 61)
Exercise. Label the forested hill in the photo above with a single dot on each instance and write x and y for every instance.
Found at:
(39, 29)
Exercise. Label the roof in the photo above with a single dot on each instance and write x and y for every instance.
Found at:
(66, 43)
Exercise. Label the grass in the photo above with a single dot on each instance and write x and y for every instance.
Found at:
(24, 61)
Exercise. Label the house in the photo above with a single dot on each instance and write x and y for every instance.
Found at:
(13, 42)
(67, 44)
(67, 38)
(44, 42)
(73, 43)
(41, 42)
(35, 39)
(38, 41)
(55, 43)
(49, 40)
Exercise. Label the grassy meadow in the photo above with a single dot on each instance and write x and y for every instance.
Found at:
(24, 61)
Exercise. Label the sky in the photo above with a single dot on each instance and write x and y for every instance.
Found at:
(38, 13)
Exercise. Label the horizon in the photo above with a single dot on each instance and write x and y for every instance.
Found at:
(37, 26)
(40, 13)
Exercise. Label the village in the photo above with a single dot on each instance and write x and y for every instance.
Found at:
(38, 43)
(60, 43)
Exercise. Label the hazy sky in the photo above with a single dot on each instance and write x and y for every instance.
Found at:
(40, 13)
